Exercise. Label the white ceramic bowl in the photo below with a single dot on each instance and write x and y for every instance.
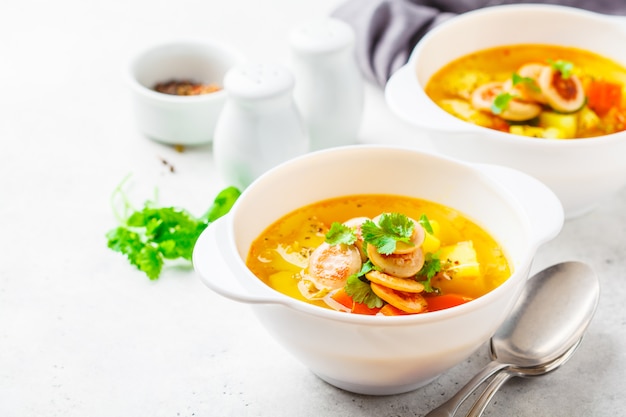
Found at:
(371, 354)
(581, 172)
(180, 120)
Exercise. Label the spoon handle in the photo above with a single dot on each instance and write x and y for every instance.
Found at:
(448, 409)
(497, 381)
(490, 390)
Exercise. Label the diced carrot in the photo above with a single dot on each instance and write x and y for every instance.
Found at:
(441, 302)
(389, 310)
(500, 124)
(343, 298)
(358, 308)
(619, 117)
(603, 95)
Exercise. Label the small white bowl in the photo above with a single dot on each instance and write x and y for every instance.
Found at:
(180, 120)
(371, 354)
(582, 172)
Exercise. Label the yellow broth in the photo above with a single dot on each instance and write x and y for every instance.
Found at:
(300, 232)
(452, 86)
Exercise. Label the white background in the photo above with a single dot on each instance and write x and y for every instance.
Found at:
(82, 333)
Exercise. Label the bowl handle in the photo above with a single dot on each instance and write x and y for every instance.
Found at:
(408, 100)
(543, 208)
(214, 261)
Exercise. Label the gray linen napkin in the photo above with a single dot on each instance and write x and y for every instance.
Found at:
(387, 30)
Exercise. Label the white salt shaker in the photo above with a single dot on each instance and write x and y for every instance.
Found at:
(329, 87)
(260, 126)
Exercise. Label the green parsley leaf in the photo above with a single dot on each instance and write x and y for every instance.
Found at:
(564, 67)
(365, 268)
(139, 253)
(527, 81)
(150, 261)
(432, 265)
(339, 233)
(360, 290)
(149, 236)
(425, 223)
(169, 224)
(501, 103)
(391, 228)
(222, 204)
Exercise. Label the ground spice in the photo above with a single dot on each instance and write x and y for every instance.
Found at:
(185, 88)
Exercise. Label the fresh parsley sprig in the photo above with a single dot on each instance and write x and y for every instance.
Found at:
(528, 82)
(339, 233)
(425, 223)
(501, 102)
(152, 235)
(432, 265)
(391, 228)
(359, 287)
(564, 67)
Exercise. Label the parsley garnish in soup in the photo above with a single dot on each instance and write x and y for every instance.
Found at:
(378, 255)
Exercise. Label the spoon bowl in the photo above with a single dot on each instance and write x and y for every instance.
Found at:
(548, 320)
(550, 316)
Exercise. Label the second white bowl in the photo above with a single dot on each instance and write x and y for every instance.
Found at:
(582, 172)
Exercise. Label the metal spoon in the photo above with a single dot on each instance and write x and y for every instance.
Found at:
(551, 315)
(500, 378)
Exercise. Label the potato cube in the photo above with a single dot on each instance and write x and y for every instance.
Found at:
(566, 123)
(460, 260)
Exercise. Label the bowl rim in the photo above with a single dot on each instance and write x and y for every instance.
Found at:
(469, 128)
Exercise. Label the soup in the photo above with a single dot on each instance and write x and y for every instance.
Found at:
(539, 91)
(378, 254)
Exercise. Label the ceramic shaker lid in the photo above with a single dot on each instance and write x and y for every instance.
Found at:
(258, 80)
(321, 36)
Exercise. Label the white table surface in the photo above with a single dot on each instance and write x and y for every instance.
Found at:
(82, 333)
